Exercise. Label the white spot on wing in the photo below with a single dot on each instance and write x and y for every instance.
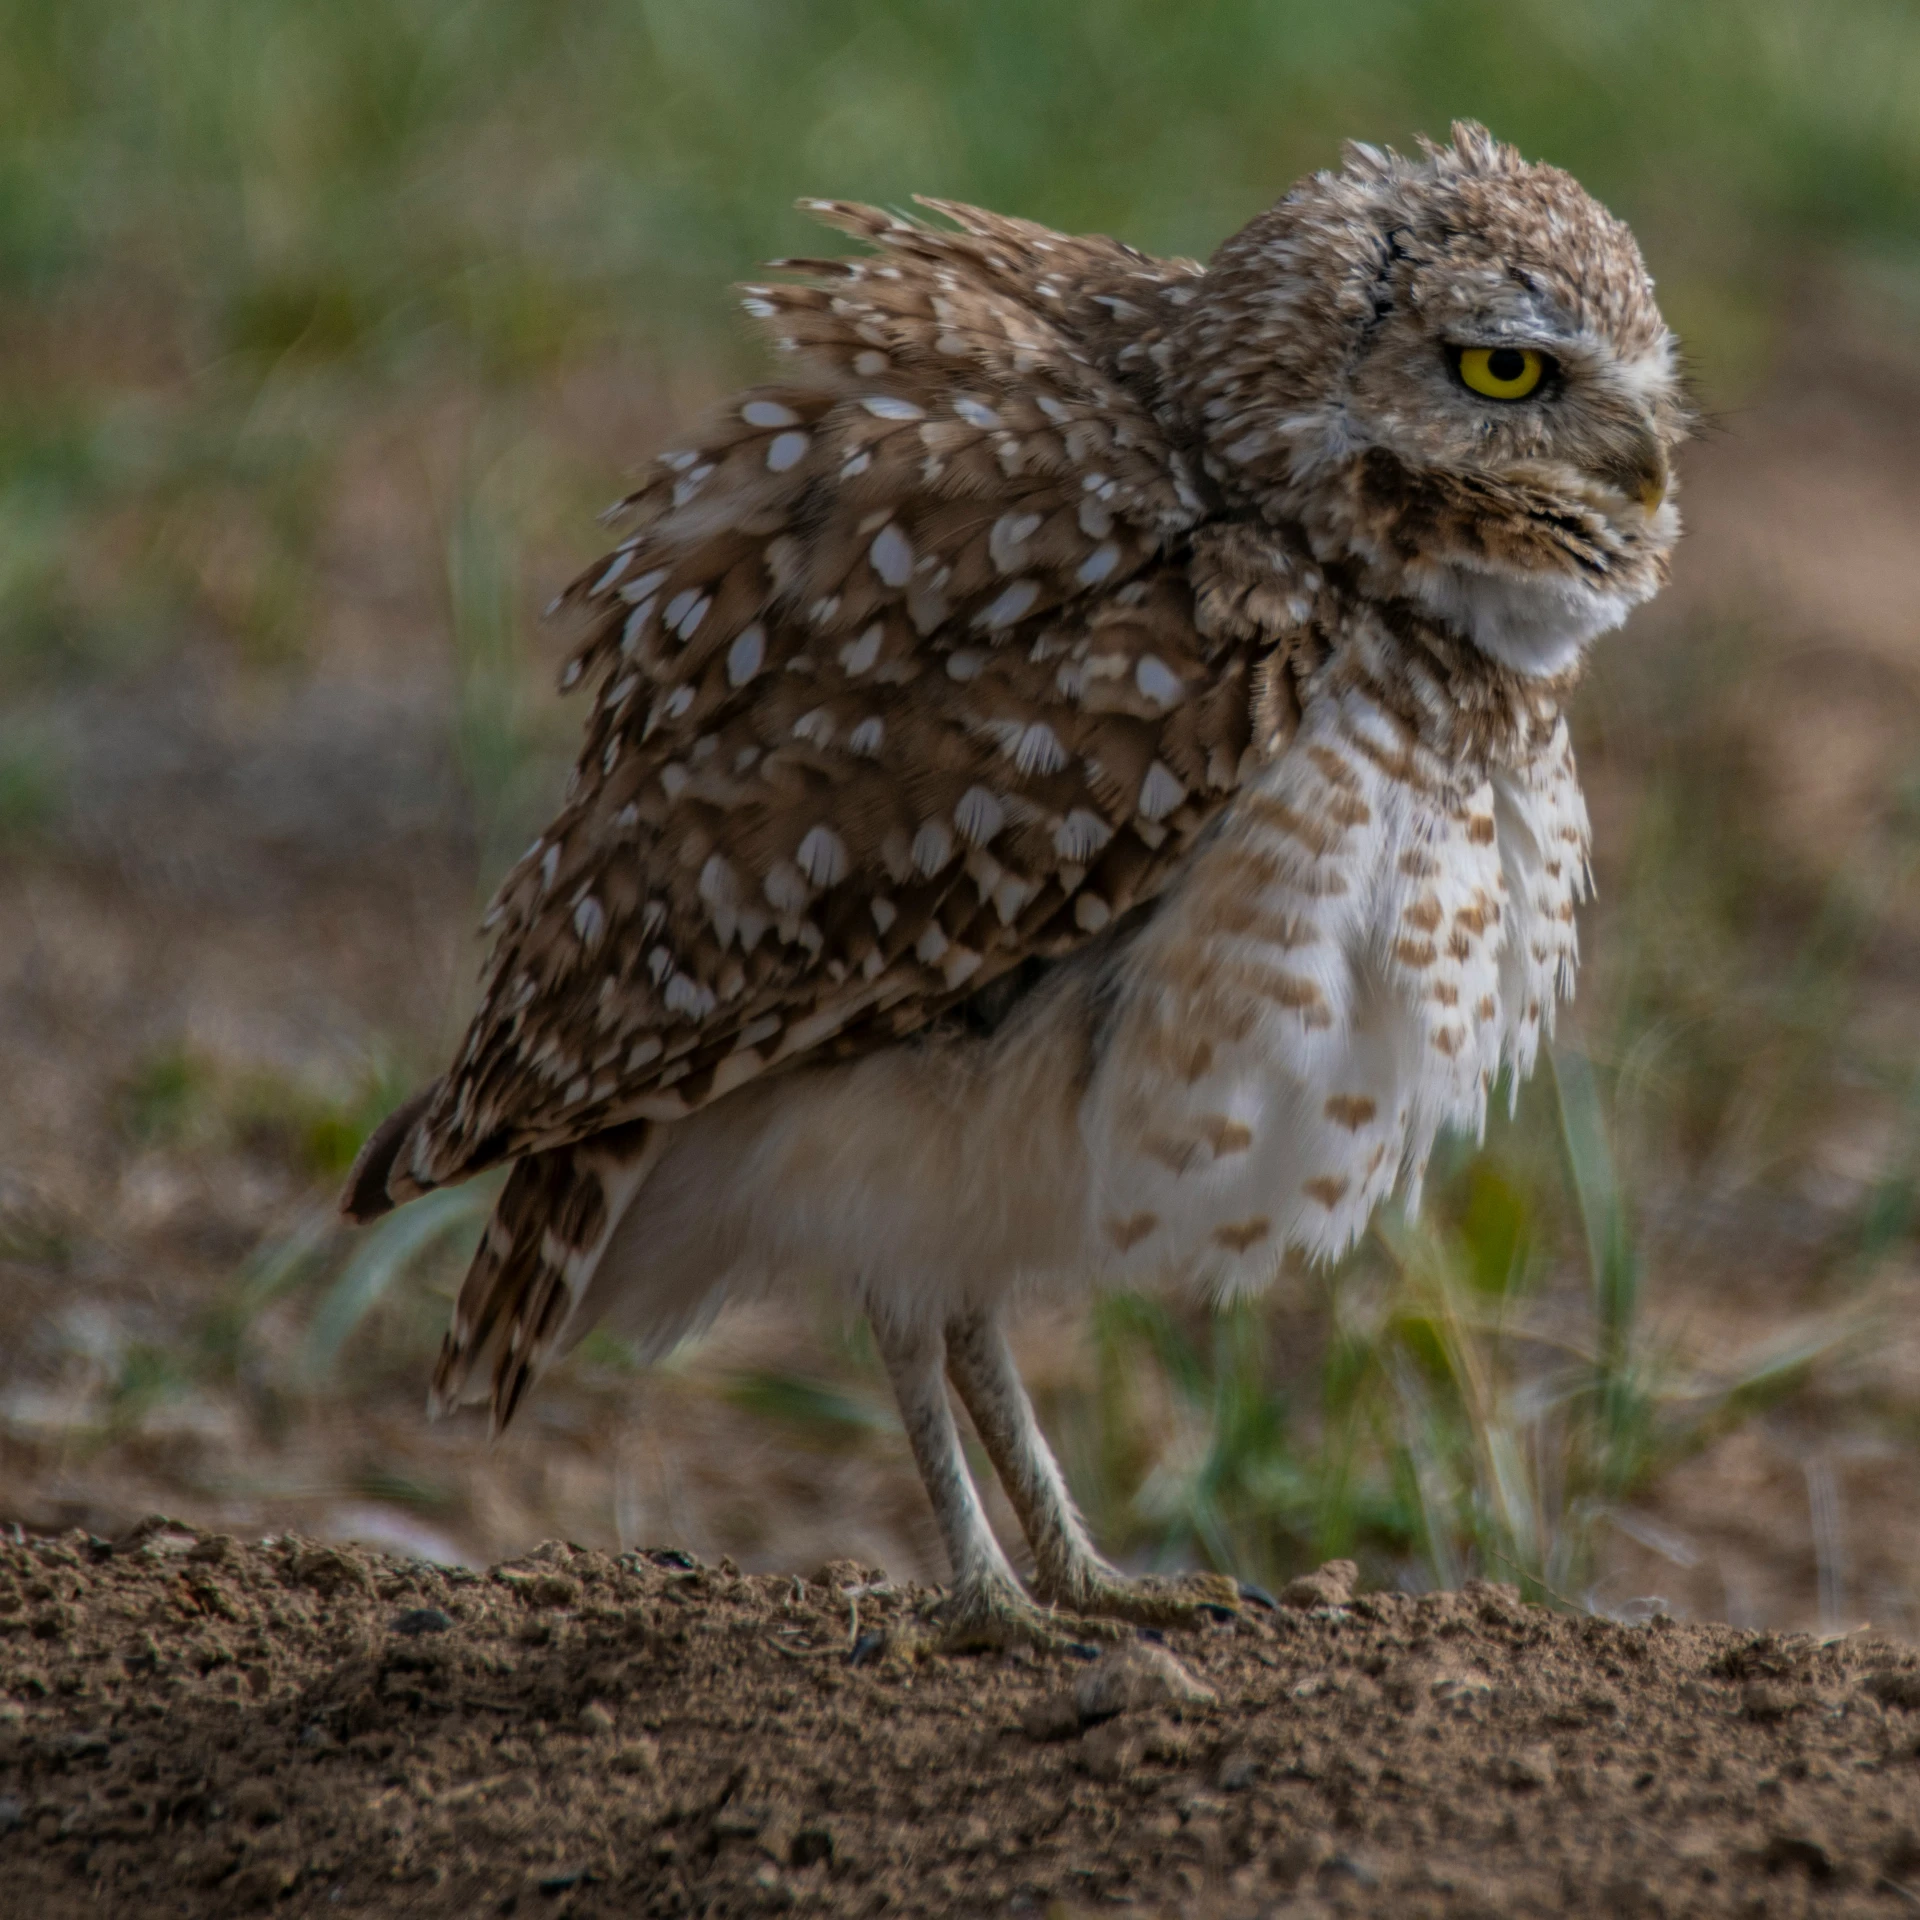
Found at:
(746, 654)
(979, 815)
(932, 847)
(892, 556)
(684, 490)
(1158, 681)
(859, 655)
(822, 856)
(1010, 533)
(686, 610)
(1160, 792)
(768, 413)
(885, 406)
(1081, 835)
(786, 450)
(786, 888)
(1038, 749)
(1098, 564)
(1013, 603)
(687, 995)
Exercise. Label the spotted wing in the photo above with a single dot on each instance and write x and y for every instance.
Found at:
(899, 679)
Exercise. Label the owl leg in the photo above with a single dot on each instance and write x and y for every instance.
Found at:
(986, 1607)
(1068, 1571)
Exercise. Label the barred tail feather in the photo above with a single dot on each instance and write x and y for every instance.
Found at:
(549, 1229)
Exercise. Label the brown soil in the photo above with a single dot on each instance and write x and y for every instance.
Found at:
(192, 1726)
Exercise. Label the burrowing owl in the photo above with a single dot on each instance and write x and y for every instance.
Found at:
(1075, 793)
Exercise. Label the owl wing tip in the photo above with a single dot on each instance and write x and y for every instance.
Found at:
(374, 1186)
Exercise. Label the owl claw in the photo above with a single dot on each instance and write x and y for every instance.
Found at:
(988, 1616)
(1149, 1600)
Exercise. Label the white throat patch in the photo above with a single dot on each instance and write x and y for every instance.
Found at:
(1537, 624)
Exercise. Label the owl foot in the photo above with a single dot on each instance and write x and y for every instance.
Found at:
(1148, 1600)
(989, 1616)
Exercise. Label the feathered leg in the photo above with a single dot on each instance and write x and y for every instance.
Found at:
(1068, 1572)
(986, 1607)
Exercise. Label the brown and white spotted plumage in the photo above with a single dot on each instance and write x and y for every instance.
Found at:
(1076, 788)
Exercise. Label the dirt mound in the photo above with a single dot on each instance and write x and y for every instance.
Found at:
(192, 1726)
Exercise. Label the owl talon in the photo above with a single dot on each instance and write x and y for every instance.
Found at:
(987, 1617)
(1148, 1600)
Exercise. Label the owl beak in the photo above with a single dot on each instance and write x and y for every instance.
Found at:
(1641, 471)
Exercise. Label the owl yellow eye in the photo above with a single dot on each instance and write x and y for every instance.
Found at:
(1502, 373)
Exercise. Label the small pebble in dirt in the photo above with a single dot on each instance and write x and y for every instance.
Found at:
(1117, 1749)
(1801, 1850)
(596, 1720)
(1238, 1769)
(869, 1647)
(1531, 1767)
(1328, 1586)
(256, 1802)
(640, 1758)
(423, 1620)
(329, 1571)
(1137, 1676)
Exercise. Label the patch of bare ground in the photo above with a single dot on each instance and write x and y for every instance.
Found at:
(193, 1726)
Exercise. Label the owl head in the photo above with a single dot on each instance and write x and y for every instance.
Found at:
(1451, 374)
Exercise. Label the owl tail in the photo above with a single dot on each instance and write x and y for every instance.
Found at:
(549, 1228)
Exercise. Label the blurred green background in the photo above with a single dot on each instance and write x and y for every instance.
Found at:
(328, 328)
